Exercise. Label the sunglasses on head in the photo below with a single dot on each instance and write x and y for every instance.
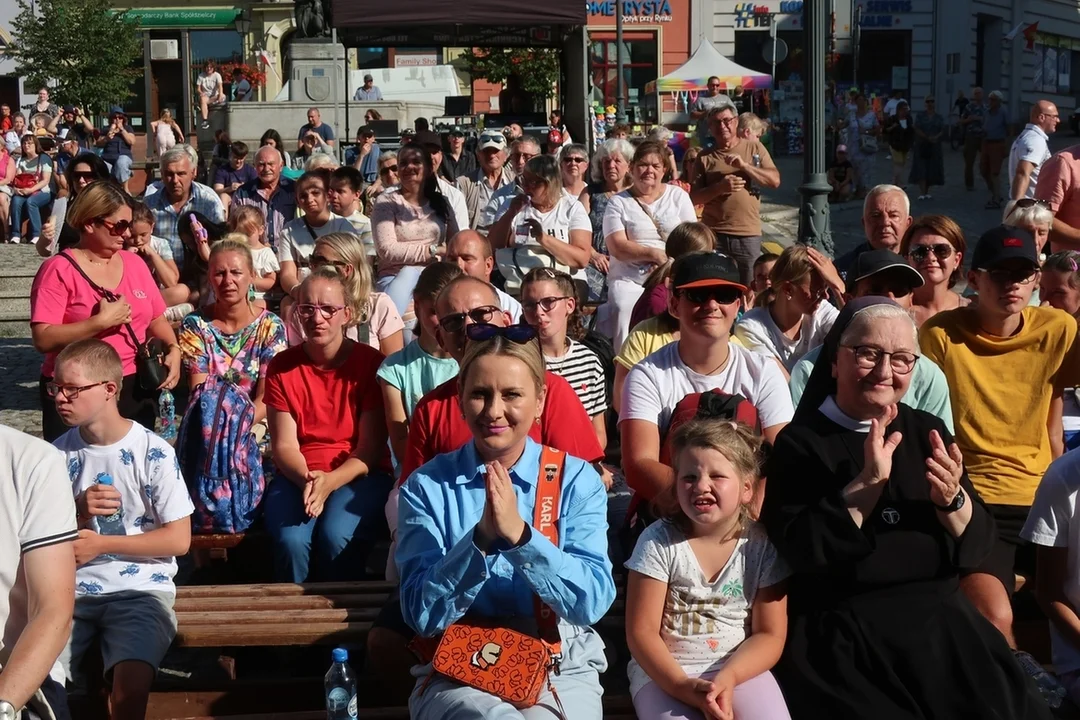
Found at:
(454, 322)
(942, 251)
(115, 229)
(519, 334)
(722, 294)
(1030, 202)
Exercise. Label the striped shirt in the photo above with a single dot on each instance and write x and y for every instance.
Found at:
(580, 367)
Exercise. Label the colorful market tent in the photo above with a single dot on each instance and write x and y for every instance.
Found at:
(707, 61)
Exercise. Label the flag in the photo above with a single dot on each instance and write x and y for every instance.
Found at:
(1014, 32)
(1029, 35)
(264, 58)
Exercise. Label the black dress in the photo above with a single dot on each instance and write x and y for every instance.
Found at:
(878, 627)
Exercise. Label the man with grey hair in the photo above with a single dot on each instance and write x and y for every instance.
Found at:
(180, 195)
(524, 149)
(886, 217)
(271, 193)
(491, 175)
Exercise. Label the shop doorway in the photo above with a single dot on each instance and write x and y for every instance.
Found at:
(9, 92)
(988, 56)
(167, 91)
(884, 57)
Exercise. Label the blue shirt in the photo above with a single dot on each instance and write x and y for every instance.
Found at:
(201, 199)
(227, 175)
(116, 147)
(278, 209)
(324, 130)
(444, 575)
(996, 124)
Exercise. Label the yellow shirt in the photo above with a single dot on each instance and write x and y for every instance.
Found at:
(1001, 388)
(647, 337)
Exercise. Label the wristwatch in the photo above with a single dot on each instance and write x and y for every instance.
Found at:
(956, 504)
(8, 711)
(433, 248)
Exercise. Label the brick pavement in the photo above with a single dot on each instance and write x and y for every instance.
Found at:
(20, 363)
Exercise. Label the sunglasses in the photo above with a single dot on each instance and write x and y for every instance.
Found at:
(319, 261)
(388, 169)
(942, 251)
(84, 175)
(548, 303)
(1004, 278)
(1030, 202)
(574, 159)
(454, 322)
(722, 294)
(115, 229)
(519, 334)
(71, 392)
(307, 311)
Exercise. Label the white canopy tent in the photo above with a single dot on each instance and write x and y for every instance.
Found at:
(707, 62)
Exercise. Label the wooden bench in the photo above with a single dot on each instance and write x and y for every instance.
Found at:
(312, 615)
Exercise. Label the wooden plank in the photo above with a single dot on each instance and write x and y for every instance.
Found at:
(210, 542)
(285, 602)
(273, 617)
(270, 635)
(280, 589)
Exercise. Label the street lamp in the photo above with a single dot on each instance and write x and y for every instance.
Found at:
(814, 207)
(243, 22)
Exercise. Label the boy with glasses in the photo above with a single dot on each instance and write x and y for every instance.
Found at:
(1007, 364)
(134, 515)
(705, 299)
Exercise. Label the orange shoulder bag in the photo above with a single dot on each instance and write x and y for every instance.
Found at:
(512, 665)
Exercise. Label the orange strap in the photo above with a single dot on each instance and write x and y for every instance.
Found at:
(546, 519)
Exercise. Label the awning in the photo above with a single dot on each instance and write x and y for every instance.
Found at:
(372, 13)
(150, 18)
(707, 62)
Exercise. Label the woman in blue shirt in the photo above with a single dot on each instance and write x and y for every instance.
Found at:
(466, 547)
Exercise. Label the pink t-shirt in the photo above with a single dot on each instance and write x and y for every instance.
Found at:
(1059, 183)
(60, 295)
(383, 321)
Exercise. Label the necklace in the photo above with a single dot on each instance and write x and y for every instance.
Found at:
(555, 364)
(90, 258)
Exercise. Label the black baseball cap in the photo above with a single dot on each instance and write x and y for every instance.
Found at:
(873, 262)
(1004, 243)
(426, 137)
(456, 130)
(705, 269)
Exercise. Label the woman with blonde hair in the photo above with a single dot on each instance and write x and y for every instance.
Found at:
(796, 318)
(935, 246)
(375, 320)
(166, 132)
(232, 338)
(98, 289)
(482, 512)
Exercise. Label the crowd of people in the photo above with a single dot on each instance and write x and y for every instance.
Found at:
(477, 359)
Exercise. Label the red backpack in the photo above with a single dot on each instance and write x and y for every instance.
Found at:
(709, 404)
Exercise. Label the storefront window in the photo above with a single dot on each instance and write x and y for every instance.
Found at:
(372, 58)
(881, 53)
(1055, 58)
(639, 67)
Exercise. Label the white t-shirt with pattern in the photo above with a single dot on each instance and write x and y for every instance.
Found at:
(704, 622)
(152, 492)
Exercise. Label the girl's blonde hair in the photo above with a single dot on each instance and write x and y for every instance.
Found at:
(736, 441)
(246, 219)
(686, 238)
(792, 265)
(1068, 262)
(166, 115)
(528, 353)
(358, 284)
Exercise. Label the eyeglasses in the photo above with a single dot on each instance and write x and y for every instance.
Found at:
(1004, 278)
(307, 311)
(454, 322)
(117, 228)
(548, 303)
(942, 251)
(519, 334)
(319, 261)
(529, 181)
(518, 155)
(388, 169)
(574, 159)
(867, 357)
(722, 294)
(71, 392)
(723, 121)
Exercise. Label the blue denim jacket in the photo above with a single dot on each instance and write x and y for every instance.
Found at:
(444, 575)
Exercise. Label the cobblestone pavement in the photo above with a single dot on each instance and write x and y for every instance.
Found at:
(20, 363)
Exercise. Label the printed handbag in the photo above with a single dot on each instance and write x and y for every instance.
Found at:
(868, 144)
(516, 262)
(508, 664)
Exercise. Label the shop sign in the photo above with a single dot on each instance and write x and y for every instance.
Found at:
(749, 15)
(403, 60)
(181, 17)
(634, 11)
(882, 13)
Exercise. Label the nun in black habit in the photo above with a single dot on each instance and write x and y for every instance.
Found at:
(868, 501)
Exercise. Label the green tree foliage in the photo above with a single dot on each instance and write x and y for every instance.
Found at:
(538, 68)
(79, 49)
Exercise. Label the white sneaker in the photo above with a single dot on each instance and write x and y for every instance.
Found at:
(34, 241)
(15, 240)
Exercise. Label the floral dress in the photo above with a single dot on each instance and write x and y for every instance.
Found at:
(240, 357)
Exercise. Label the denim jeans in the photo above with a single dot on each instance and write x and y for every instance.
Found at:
(32, 207)
(400, 289)
(120, 168)
(339, 539)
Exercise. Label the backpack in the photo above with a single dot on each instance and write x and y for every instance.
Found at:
(710, 404)
(220, 458)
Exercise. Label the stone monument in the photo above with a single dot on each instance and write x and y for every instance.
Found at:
(314, 58)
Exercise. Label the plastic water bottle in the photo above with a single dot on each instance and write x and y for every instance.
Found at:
(340, 688)
(167, 415)
(1053, 692)
(110, 524)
